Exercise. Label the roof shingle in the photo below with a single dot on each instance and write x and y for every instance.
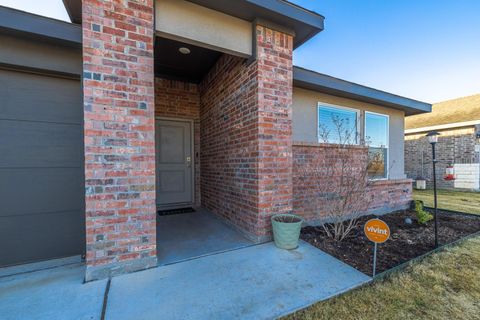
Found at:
(446, 112)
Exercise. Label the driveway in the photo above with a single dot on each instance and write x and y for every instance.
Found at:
(55, 293)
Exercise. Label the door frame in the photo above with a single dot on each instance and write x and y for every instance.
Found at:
(192, 152)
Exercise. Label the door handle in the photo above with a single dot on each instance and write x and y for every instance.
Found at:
(189, 162)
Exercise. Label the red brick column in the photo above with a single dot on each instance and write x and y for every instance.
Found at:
(119, 136)
(246, 135)
(275, 90)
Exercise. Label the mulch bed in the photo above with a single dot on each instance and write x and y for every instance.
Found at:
(406, 241)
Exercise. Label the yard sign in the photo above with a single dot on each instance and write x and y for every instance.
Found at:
(376, 231)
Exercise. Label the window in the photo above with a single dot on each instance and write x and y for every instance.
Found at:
(337, 125)
(376, 137)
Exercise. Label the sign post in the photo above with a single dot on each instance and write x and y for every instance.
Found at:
(376, 231)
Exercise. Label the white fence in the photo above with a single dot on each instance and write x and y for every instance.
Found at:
(467, 176)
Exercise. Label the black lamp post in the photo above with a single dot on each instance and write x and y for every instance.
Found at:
(433, 139)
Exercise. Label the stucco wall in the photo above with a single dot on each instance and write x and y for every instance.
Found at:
(305, 104)
(198, 25)
(40, 54)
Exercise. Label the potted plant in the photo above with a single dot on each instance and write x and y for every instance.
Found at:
(286, 230)
(420, 183)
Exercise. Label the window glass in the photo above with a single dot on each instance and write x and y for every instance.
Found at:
(377, 159)
(376, 130)
(337, 125)
(376, 137)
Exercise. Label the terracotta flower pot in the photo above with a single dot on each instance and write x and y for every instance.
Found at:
(286, 230)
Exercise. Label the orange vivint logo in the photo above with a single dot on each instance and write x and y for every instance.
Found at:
(376, 230)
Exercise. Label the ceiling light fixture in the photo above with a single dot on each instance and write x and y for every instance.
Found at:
(184, 50)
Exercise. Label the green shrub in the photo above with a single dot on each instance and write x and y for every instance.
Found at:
(422, 216)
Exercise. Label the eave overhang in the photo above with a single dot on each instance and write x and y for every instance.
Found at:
(33, 26)
(304, 23)
(311, 80)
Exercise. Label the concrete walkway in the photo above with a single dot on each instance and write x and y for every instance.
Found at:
(256, 282)
(187, 236)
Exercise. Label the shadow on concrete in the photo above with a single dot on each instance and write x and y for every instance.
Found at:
(187, 236)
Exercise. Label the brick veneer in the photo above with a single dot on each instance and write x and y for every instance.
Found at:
(390, 195)
(275, 90)
(119, 136)
(181, 100)
(455, 145)
(246, 132)
(382, 196)
(228, 141)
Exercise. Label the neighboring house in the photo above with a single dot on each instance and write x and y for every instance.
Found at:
(135, 107)
(458, 122)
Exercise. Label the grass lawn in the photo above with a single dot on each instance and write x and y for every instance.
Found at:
(468, 202)
(445, 285)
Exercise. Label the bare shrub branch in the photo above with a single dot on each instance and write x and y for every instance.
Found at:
(340, 192)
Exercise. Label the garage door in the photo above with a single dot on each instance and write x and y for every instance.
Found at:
(41, 168)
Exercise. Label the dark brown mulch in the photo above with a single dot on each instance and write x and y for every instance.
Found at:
(406, 241)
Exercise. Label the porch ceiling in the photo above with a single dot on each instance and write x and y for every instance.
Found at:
(171, 64)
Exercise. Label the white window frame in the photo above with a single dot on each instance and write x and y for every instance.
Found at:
(387, 161)
(358, 124)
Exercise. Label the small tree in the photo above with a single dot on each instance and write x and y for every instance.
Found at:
(340, 192)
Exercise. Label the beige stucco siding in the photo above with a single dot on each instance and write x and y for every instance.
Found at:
(185, 21)
(40, 55)
(305, 104)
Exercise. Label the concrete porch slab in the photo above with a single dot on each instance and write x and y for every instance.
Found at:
(187, 236)
(55, 293)
(257, 282)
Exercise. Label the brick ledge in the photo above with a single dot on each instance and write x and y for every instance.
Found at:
(322, 145)
(390, 182)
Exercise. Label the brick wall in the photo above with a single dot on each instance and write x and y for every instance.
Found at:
(181, 100)
(382, 196)
(390, 195)
(275, 90)
(119, 136)
(246, 133)
(454, 146)
(229, 145)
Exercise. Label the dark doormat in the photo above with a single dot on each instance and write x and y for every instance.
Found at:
(175, 211)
